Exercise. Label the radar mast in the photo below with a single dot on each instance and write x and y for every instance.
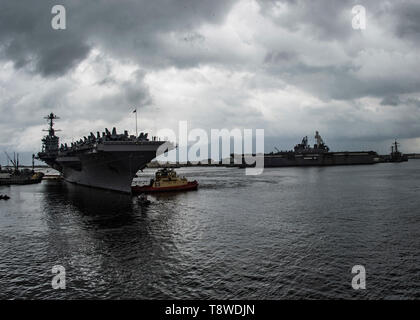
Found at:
(51, 117)
(50, 142)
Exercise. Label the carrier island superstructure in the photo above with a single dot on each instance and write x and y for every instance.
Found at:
(107, 161)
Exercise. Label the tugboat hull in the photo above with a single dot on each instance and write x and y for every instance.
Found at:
(191, 185)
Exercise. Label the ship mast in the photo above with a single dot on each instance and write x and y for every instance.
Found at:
(396, 145)
(14, 161)
(50, 142)
(51, 117)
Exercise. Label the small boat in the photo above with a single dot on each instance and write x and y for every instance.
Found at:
(4, 197)
(19, 176)
(142, 200)
(166, 180)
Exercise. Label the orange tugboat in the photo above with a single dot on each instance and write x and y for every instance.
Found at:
(166, 180)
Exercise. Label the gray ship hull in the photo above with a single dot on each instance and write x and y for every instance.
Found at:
(111, 166)
(290, 159)
(111, 171)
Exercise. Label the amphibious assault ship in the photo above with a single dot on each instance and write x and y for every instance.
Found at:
(318, 155)
(108, 161)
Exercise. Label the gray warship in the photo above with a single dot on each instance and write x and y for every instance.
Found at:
(108, 161)
(318, 155)
(395, 155)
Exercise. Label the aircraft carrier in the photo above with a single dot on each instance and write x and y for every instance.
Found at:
(108, 161)
(318, 155)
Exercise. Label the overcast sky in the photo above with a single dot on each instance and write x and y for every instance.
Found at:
(289, 67)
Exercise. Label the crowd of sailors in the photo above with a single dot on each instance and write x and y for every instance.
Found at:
(106, 137)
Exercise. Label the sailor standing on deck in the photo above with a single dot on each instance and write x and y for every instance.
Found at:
(318, 139)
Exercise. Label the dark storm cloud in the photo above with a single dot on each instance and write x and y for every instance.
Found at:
(101, 64)
(130, 29)
(330, 23)
(330, 19)
(326, 19)
(130, 32)
(28, 39)
(136, 30)
(395, 101)
(340, 82)
(273, 57)
(391, 101)
(407, 19)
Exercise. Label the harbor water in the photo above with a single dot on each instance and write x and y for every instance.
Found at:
(290, 233)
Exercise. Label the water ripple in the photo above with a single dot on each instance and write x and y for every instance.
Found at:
(290, 233)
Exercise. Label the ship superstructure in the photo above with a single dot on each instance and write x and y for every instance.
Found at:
(108, 160)
(318, 155)
(396, 155)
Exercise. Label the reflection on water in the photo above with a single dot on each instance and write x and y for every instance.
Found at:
(289, 233)
(87, 202)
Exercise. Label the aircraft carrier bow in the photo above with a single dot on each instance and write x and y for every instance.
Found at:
(108, 161)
